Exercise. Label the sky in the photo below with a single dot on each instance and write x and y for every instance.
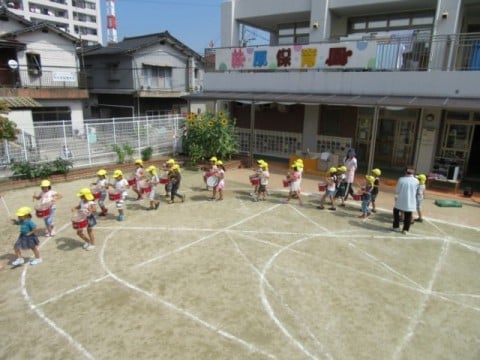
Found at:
(193, 22)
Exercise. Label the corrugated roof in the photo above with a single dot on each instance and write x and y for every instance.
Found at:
(20, 102)
(340, 99)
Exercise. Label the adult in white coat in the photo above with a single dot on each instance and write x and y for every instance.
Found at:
(405, 200)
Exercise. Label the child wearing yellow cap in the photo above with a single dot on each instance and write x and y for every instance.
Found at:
(175, 178)
(331, 189)
(28, 238)
(153, 181)
(121, 185)
(210, 170)
(102, 185)
(294, 179)
(422, 179)
(139, 175)
(168, 168)
(48, 198)
(264, 176)
(376, 187)
(87, 207)
(367, 196)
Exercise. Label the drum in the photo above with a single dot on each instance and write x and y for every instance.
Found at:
(164, 180)
(43, 210)
(255, 181)
(96, 192)
(114, 195)
(132, 181)
(357, 197)
(212, 181)
(322, 186)
(286, 183)
(79, 221)
(145, 188)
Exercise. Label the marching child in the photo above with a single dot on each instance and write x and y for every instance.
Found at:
(121, 185)
(422, 179)
(139, 174)
(153, 181)
(341, 184)
(376, 183)
(168, 168)
(367, 196)
(27, 238)
(211, 170)
(256, 175)
(175, 179)
(331, 189)
(295, 179)
(48, 197)
(264, 176)
(88, 208)
(220, 174)
(102, 186)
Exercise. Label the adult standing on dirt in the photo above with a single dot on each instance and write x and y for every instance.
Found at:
(350, 162)
(405, 200)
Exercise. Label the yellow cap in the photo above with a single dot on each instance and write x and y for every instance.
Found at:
(152, 169)
(300, 161)
(102, 172)
(332, 170)
(342, 168)
(219, 162)
(117, 173)
(370, 179)
(264, 165)
(45, 183)
(213, 158)
(23, 211)
(421, 178)
(87, 193)
(176, 167)
(139, 162)
(171, 161)
(377, 172)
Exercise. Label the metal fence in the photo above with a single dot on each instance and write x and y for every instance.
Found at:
(93, 143)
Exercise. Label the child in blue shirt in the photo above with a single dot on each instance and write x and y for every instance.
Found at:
(27, 238)
(367, 195)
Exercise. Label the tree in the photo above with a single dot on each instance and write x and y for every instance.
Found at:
(8, 129)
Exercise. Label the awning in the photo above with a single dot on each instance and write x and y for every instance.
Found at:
(20, 102)
(333, 99)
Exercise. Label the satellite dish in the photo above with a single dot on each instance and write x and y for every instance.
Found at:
(12, 64)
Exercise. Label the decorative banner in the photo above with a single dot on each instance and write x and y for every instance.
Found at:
(64, 76)
(341, 55)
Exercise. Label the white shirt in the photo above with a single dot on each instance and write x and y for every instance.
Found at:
(406, 193)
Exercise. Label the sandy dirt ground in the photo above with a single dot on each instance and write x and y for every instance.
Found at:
(239, 279)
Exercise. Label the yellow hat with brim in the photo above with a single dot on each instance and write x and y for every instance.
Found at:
(171, 161)
(213, 158)
(87, 193)
(176, 167)
(342, 168)
(422, 178)
(102, 172)
(45, 183)
(152, 169)
(264, 165)
(117, 173)
(370, 179)
(219, 162)
(377, 172)
(23, 211)
(139, 162)
(332, 170)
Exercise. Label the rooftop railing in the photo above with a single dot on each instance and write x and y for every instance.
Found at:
(39, 78)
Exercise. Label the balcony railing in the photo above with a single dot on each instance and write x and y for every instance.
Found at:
(418, 52)
(43, 78)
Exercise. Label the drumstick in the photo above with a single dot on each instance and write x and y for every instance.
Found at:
(6, 207)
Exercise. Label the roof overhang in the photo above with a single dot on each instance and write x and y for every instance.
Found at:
(334, 99)
(20, 102)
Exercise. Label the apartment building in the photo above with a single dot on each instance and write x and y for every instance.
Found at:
(81, 18)
(395, 79)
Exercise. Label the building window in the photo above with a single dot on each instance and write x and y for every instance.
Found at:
(34, 65)
(113, 72)
(156, 77)
(289, 34)
(51, 114)
(390, 22)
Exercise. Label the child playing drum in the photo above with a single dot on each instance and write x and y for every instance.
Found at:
(175, 179)
(102, 186)
(48, 198)
(168, 168)
(153, 181)
(220, 174)
(86, 208)
(121, 186)
(210, 170)
(138, 175)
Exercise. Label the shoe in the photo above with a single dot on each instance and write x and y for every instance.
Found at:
(342, 205)
(170, 201)
(47, 234)
(404, 232)
(53, 233)
(374, 211)
(35, 261)
(395, 229)
(321, 207)
(120, 217)
(183, 198)
(157, 205)
(332, 208)
(85, 245)
(211, 199)
(418, 220)
(90, 247)
(18, 262)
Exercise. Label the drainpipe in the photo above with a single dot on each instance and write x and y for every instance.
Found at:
(252, 134)
(373, 139)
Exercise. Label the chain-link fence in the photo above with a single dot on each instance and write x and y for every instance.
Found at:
(93, 142)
